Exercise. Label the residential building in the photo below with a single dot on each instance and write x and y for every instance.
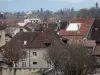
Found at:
(77, 28)
(34, 27)
(35, 44)
(51, 26)
(34, 20)
(52, 20)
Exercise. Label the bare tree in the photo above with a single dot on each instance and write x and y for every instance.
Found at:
(71, 59)
(83, 13)
(54, 56)
(13, 53)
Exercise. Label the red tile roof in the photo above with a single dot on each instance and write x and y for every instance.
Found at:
(84, 29)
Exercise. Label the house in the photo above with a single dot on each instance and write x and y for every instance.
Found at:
(34, 27)
(34, 20)
(12, 31)
(52, 20)
(35, 44)
(13, 28)
(4, 37)
(77, 28)
(21, 22)
(51, 26)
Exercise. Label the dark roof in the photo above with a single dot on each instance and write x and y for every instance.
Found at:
(10, 30)
(36, 39)
(51, 26)
(95, 34)
(35, 26)
(12, 22)
(27, 28)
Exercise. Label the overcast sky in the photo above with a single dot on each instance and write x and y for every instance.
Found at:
(26, 5)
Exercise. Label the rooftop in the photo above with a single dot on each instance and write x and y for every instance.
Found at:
(36, 39)
(84, 27)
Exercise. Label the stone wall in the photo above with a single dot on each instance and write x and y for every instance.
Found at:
(8, 71)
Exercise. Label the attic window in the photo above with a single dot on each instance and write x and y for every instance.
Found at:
(21, 30)
(34, 63)
(73, 27)
(25, 42)
(64, 40)
(47, 44)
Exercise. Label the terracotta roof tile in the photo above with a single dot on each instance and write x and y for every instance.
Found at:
(84, 29)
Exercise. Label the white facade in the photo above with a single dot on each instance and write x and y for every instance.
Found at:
(32, 20)
(21, 24)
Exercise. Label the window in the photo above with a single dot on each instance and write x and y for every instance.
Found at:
(21, 30)
(47, 44)
(64, 40)
(34, 54)
(23, 64)
(25, 42)
(96, 29)
(34, 63)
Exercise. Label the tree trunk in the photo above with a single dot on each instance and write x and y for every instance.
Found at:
(55, 72)
(0, 70)
(15, 68)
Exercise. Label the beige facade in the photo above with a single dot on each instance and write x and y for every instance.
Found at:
(7, 71)
(35, 59)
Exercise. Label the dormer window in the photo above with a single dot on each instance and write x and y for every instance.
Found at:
(47, 44)
(25, 42)
(64, 40)
(21, 30)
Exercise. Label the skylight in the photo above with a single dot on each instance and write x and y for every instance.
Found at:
(74, 27)
(25, 42)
